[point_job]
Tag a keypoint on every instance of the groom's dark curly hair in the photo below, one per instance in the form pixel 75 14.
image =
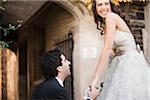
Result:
pixel 49 63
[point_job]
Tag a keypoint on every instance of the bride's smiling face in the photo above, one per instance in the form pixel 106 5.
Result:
pixel 103 7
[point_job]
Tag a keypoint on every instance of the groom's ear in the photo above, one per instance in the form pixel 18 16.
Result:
pixel 59 68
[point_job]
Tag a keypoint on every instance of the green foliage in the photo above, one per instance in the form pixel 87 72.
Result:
pixel 4 31
pixel 7 30
pixel 2 3
pixel 3 44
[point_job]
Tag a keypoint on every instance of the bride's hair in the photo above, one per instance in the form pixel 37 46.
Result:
pixel 99 20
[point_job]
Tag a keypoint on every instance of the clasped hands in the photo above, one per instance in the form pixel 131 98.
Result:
pixel 91 93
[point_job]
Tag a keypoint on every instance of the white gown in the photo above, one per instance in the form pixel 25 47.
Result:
pixel 128 75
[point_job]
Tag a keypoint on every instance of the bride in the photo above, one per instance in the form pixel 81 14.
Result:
pixel 128 74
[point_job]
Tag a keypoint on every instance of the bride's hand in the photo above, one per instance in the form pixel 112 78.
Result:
pixel 93 92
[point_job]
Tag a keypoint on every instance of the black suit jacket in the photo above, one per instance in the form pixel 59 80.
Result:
pixel 50 90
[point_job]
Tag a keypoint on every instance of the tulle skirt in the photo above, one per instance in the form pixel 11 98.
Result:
pixel 127 78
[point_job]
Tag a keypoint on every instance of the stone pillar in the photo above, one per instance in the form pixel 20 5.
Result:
pixel 8 75
pixel 86 52
pixel 12 76
pixel 147 28
pixel 0 75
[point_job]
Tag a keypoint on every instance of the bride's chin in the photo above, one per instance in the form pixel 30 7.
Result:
pixel 103 15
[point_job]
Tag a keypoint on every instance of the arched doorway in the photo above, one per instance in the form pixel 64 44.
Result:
pixel 39 35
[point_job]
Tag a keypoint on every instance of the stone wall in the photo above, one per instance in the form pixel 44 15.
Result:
pixel 134 15
pixel 58 23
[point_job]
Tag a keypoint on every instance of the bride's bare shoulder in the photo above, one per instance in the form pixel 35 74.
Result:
pixel 112 15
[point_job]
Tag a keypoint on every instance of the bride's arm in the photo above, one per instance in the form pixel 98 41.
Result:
pixel 111 23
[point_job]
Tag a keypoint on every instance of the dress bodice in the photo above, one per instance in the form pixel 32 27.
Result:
pixel 124 41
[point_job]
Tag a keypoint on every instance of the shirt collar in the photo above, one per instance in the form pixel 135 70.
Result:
pixel 59 81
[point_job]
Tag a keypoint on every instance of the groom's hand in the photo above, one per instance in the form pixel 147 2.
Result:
pixel 93 92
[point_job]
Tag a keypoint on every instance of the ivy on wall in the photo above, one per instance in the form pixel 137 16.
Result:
pixel 4 31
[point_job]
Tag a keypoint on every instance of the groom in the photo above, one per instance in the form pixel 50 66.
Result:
pixel 55 69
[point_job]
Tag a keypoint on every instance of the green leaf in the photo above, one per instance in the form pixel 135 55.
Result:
pixel 3 44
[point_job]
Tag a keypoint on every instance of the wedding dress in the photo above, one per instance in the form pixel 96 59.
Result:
pixel 128 75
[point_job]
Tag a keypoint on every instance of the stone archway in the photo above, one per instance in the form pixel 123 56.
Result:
pixel 85 36
pixel 56 27
pixel 39 36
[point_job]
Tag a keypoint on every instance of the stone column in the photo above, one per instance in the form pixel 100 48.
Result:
pixel 0 74
pixel 87 48
pixel 147 29
pixel 12 76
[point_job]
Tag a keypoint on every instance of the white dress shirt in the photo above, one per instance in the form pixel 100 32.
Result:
pixel 60 81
